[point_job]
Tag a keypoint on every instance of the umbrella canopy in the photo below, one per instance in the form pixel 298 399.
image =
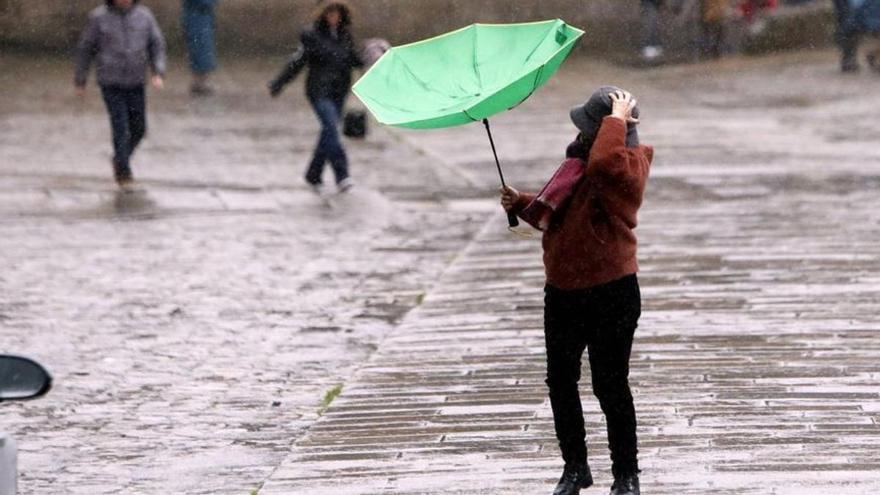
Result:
pixel 465 76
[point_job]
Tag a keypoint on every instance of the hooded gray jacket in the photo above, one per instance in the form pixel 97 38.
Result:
pixel 124 42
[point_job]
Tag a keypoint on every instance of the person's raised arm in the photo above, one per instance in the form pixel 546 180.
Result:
pixel 158 56
pixel 620 172
pixel 295 64
pixel 609 156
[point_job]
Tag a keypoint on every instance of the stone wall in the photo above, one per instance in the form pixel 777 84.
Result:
pixel 260 25
pixel 270 26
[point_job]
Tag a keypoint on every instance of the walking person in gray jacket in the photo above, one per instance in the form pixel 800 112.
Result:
pixel 125 39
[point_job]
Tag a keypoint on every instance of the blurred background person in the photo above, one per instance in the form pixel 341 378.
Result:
pixel 869 15
pixel 856 18
pixel 652 45
pixel 125 39
pixel 198 26
pixel 328 50
pixel 712 16
pixel 753 12
pixel 846 36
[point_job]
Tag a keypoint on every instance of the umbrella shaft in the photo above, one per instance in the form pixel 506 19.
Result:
pixel 492 142
pixel 511 217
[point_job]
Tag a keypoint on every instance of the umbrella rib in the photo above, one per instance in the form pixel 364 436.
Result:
pixel 556 25
pixel 534 87
pixel 475 64
pixel 422 83
pixel 465 111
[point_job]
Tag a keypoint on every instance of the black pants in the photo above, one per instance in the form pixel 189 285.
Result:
pixel 847 34
pixel 601 320
pixel 128 120
pixel 651 22
pixel 712 39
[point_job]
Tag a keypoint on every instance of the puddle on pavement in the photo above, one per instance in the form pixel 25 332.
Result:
pixel 133 203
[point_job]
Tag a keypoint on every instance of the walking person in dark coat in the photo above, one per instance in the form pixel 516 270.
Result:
pixel 328 50
pixel 198 27
pixel 588 212
pixel 125 40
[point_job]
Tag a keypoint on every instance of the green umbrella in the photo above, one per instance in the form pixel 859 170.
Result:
pixel 465 76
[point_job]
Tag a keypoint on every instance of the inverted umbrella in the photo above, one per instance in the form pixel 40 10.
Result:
pixel 465 76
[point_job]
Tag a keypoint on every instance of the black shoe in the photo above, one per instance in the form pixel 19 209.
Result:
pixel 626 485
pixel 849 66
pixel 573 479
pixel 201 90
pixel 873 60
pixel 124 177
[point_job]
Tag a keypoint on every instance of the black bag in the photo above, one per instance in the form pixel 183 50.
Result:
pixel 355 124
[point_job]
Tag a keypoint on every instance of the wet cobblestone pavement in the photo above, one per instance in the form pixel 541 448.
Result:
pixel 194 328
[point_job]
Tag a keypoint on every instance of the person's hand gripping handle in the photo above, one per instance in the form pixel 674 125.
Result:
pixel 509 197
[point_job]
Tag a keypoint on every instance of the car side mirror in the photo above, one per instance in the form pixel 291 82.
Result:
pixel 22 378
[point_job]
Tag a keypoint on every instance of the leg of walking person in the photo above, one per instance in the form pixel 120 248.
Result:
pixel 618 306
pixel 652 48
pixel 336 153
pixel 565 338
pixel 198 28
pixel 328 116
pixel 847 36
pixel 713 38
pixel 117 109
pixel 137 117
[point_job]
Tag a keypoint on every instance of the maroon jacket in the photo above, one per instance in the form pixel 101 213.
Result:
pixel 591 241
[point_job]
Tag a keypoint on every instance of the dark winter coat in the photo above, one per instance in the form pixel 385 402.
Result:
pixel 124 42
pixel 329 59
pixel 198 26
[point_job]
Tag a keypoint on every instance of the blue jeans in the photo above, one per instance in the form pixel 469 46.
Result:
pixel 128 120
pixel 329 146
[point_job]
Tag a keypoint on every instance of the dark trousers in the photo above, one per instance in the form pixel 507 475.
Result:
pixel 712 39
pixel 329 147
pixel 847 34
pixel 601 320
pixel 128 120
pixel 651 23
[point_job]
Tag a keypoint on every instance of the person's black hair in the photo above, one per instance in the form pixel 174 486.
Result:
pixel 324 7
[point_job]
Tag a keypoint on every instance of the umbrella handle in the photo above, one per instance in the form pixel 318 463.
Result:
pixel 512 221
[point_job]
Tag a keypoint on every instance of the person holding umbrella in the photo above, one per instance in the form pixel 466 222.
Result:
pixel 328 50
pixel 588 212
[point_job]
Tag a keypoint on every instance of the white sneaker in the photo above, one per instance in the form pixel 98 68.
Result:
pixel 652 52
pixel 345 185
pixel 758 27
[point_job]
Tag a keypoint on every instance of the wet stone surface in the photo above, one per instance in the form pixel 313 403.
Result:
pixel 193 328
